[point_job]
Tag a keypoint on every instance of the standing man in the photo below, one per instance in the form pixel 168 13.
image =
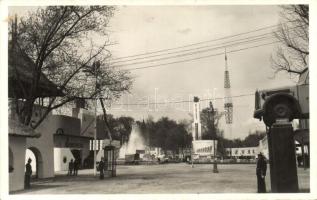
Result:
pixel 28 174
pixel 76 166
pixel 70 167
pixel 260 173
pixel 101 167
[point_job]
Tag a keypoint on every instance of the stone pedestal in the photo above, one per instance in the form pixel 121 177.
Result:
pixel 282 158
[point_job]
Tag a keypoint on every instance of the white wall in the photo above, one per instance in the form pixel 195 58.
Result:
pixel 16 178
pixel 45 146
pixel 100 154
pixel 59 154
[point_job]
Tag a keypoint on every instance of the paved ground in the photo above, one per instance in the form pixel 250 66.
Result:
pixel 165 178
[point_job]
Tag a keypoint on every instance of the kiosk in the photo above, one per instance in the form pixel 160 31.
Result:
pixel 110 161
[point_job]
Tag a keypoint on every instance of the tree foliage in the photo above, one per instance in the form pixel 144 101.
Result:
pixel 292 55
pixel 168 134
pixel 251 140
pixel 210 118
pixel 68 44
pixel 120 127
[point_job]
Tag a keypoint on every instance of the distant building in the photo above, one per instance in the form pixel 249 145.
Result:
pixel 243 152
pixel 154 151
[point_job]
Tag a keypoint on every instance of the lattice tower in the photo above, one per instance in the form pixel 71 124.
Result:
pixel 228 106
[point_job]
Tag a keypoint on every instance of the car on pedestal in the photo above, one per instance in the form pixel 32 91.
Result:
pixel 290 102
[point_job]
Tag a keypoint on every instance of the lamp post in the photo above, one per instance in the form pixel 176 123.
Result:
pixel 192 158
pixel 211 113
pixel 94 71
pixel 96 66
pixel 215 169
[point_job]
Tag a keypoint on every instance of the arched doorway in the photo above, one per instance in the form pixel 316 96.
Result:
pixel 37 162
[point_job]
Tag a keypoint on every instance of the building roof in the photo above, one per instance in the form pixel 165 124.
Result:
pixel 21 66
pixel 18 129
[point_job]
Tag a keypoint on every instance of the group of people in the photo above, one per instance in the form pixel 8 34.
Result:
pixel 73 167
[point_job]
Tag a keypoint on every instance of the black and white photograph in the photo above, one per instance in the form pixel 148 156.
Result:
pixel 186 98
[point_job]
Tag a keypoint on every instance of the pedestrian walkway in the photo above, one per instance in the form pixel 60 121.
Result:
pixel 165 178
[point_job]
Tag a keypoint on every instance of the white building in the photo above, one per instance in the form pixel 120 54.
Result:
pixel 263 147
pixel 154 151
pixel 243 152
pixel 196 126
pixel 61 139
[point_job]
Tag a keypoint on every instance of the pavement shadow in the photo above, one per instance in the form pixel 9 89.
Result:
pixel 301 190
pixel 35 187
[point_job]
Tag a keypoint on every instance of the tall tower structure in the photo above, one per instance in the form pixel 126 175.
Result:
pixel 196 126
pixel 228 106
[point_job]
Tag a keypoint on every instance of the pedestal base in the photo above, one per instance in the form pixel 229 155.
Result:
pixel 282 158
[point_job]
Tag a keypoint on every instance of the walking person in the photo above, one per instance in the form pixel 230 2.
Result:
pixel 70 167
pixel 101 168
pixel 260 173
pixel 28 174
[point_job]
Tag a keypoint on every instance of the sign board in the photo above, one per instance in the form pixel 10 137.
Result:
pixel 204 147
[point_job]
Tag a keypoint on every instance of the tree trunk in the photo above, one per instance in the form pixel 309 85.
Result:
pixel 27 111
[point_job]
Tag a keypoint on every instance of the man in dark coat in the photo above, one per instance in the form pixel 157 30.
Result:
pixel 70 167
pixel 76 166
pixel 101 167
pixel 260 173
pixel 28 174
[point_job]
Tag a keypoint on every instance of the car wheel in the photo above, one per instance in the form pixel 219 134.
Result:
pixel 278 110
pixel 282 110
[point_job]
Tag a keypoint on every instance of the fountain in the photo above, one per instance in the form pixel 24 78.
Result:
pixel 136 142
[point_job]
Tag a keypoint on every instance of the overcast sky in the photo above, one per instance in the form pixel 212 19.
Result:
pixel 143 29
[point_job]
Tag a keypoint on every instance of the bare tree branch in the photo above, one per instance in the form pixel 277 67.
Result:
pixel 55 38
pixel 292 56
